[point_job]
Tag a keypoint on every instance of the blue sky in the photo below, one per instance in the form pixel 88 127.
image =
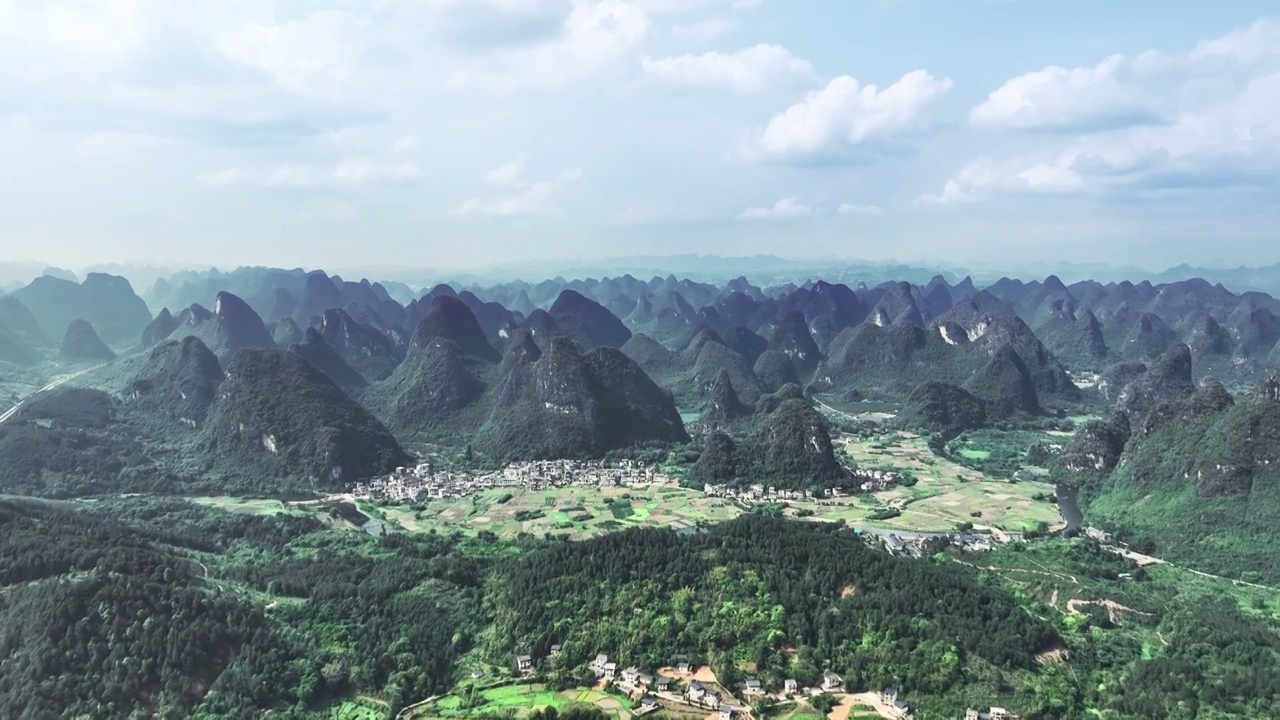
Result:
pixel 462 133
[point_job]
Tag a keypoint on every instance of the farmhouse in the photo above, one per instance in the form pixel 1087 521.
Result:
pixel 896 702
pixel 752 687
pixel 524 663
pixel 555 650
pixel 696 692
pixel 994 713
pixel 649 703
pixel 832 682
pixel 790 686
pixel 663 684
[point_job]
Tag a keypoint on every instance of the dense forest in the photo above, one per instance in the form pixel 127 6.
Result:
pixel 160 607
pixel 752 591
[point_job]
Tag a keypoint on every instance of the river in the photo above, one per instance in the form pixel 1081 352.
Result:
pixel 1068 507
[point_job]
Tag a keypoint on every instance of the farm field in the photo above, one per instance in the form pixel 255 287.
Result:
pixel 521 700
pixel 358 709
pixel 579 512
pixel 946 493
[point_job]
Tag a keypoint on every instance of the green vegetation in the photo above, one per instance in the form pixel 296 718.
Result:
pixel 1200 484
pixel 791 449
pixel 999 452
pixel 1155 643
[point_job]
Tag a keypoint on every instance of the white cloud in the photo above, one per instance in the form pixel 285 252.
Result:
pixel 348 173
pixel 677 7
pixel 507 176
pixel 1219 126
pixel 406 144
pixel 784 209
pixel 222 177
pixel 523 197
pixel 704 30
pixel 1058 98
pixel 533 200
pixel 364 172
pixel 115 141
pixel 596 34
pixel 748 70
pixel 316 55
pixel 290 176
pixel 833 122
pixel 859 209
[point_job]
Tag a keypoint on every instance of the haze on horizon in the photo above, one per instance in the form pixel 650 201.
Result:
pixel 471 133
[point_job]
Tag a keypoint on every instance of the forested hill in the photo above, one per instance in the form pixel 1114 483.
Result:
pixel 165 608
pixel 99 619
pixel 753 590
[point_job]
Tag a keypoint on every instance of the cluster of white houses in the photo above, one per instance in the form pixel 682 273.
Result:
pixel 865 480
pixel 654 688
pixel 427 481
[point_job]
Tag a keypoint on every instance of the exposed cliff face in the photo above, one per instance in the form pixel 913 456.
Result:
pixel 438 392
pixel 275 414
pixel 1169 378
pixel 791 337
pixel 362 346
pixel 792 448
pixel 179 380
pixel 564 403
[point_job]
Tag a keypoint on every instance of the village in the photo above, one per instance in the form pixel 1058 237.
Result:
pixel 863 479
pixel 426 481
pixel 685 688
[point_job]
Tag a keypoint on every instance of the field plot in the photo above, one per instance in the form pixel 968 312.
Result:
pixel 946 493
pixel 252 506
pixel 578 512
pixel 521 700
pixel 358 709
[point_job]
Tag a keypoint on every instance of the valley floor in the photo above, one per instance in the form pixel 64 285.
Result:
pixel 945 495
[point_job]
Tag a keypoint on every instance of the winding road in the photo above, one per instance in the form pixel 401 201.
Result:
pixel 62 380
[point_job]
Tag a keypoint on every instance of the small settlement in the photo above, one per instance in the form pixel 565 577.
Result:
pixel 427 481
pixel 863 480
pixel 685 688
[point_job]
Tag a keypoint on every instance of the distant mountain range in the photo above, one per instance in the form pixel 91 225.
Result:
pixel 583 367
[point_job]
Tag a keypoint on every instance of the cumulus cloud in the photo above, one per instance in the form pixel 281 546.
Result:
pixel 1219 123
pixel 1109 94
pixel 784 209
pixel 859 209
pixel 832 123
pixel 748 70
pixel 314 55
pixel 595 35
pixel 507 176
pixel 522 197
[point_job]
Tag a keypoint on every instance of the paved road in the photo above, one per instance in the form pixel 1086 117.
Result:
pixel 57 381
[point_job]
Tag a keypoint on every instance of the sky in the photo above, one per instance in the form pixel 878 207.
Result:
pixel 469 133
